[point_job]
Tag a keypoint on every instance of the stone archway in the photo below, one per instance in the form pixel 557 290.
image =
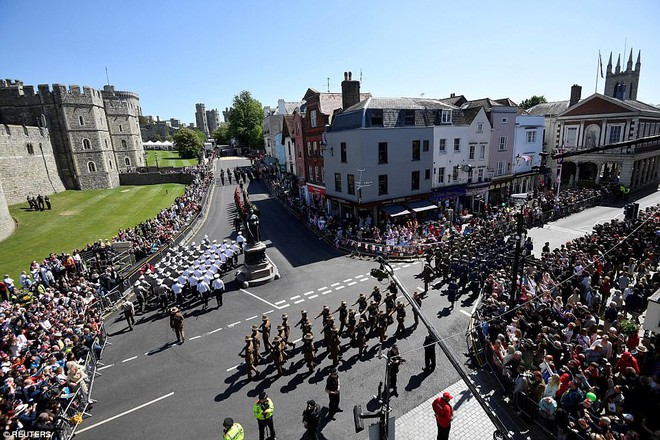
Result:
pixel 568 170
pixel 588 172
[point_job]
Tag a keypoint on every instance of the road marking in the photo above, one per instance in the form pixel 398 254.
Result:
pixel 326 292
pixel 346 281
pixel 359 276
pixel 420 288
pixel 229 326
pixel 294 297
pixel 406 265
pixel 297 340
pixel 129 359
pixel 466 313
pixel 339 287
pixel 352 282
pixel 308 293
pixel 105 366
pixel 299 301
pixel 284 306
pixel 196 337
pixel 260 299
pixel 270 311
pixel 335 284
pixel 322 288
pixel 313 296
pixel 364 279
pixel 251 317
pixel 125 412
pixel 217 330
pixel 397 268
pixel 415 262
pixel 234 367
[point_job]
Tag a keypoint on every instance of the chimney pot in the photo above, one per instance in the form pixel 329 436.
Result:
pixel 576 95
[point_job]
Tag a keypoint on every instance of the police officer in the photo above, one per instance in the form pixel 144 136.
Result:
pixel 343 315
pixel 265 332
pixel 361 303
pixel 310 351
pixel 231 430
pixel 263 412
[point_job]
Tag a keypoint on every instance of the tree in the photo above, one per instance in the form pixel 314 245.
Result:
pixel 531 102
pixel 188 143
pixel 221 134
pixel 245 121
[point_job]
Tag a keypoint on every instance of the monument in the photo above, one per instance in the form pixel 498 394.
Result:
pixel 257 268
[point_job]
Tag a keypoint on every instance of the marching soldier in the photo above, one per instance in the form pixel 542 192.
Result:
pixel 287 331
pixel 256 344
pixel 382 323
pixel 393 288
pixel 278 355
pixel 390 301
pixel 361 303
pixel 335 345
pixel 428 277
pixel 307 327
pixel 303 318
pixel 352 323
pixel 327 332
pixel 395 360
pixel 325 313
pixel 265 332
pixel 361 336
pixel 376 295
pixel 248 353
pixel 373 315
pixel 343 315
pixel 400 317
pixel 282 341
pixel 417 297
pixel 310 351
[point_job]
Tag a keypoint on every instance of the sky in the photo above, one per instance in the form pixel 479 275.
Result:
pixel 177 54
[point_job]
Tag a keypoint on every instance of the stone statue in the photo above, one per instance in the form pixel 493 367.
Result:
pixel 254 235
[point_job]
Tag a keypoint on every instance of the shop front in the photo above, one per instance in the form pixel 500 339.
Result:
pixel 315 196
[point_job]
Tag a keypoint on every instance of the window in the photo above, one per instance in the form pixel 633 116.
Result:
pixel 427 174
pixel 299 153
pixel 350 184
pixel 105 141
pixel 312 118
pixel 87 145
pixel 315 149
pixel 338 182
pixel 570 137
pixel 127 161
pixel 416 153
pixel 377 118
pixel 457 144
pixel 504 120
pixel 309 148
pixel 414 180
pixel 503 142
pixel 472 149
pixel 531 136
pixel 615 134
pixel 123 144
pixel 382 152
pixel 310 176
pixel 443 145
pixel 81 120
pixel 446 117
pixel 297 128
pixel 425 145
pixel 480 175
pixel 316 173
pixel 91 166
pixel 30 149
pixel 441 175
pixel 342 148
pixel 110 164
pixel 120 128
pixel 469 178
pixel 482 152
pixel 409 117
pixel 382 184
pixel 500 168
pixel 480 127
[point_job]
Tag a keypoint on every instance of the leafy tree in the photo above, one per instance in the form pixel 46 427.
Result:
pixel 221 134
pixel 188 143
pixel 531 102
pixel 245 121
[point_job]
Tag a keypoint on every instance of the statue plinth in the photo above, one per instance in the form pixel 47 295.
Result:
pixel 257 268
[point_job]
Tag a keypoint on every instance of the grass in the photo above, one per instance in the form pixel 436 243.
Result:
pixel 78 218
pixel 168 159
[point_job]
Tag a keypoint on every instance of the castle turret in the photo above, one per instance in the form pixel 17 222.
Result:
pixel 122 110
pixel 629 65
pixel 609 64
pixel 638 64
pixel 617 70
pixel 623 84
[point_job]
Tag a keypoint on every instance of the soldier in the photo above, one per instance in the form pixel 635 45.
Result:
pixel 452 292
pixel 382 323
pixel 400 317
pixel 265 332
pixel 327 332
pixel 256 344
pixel 139 295
pixel 373 315
pixel 335 345
pixel 428 277
pixel 395 360
pixel 310 351
pixel 303 318
pixel 343 315
pixel 393 288
pixel 287 331
pixel 361 303
pixel 390 302
pixel 361 336
pixel 282 341
pixel 278 355
pixel 325 313
pixel 352 323
pixel 376 295
pixel 248 354
pixel 417 297
pixel 307 327
pixel 176 322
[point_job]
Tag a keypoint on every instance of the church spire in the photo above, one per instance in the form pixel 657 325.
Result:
pixel 609 64
pixel 617 69
pixel 638 64
pixel 629 65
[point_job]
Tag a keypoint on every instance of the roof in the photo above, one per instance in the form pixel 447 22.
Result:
pixel 291 106
pixel 613 105
pixel 400 104
pixel 465 116
pixel 548 108
pixel 455 100
pixel 488 103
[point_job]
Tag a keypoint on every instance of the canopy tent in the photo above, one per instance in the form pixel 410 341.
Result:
pixel 394 210
pixel 421 205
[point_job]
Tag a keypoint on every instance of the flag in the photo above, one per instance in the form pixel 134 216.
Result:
pixel 600 64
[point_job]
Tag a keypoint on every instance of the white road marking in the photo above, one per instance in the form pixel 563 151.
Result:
pixel 415 262
pixel 397 268
pixel 352 282
pixel 335 284
pixel 364 279
pixel 326 292
pixel 129 359
pixel 270 311
pixel 251 317
pixel 297 340
pixel 196 337
pixel 347 280
pixel 359 276
pixel 294 297
pixel 280 302
pixel 217 330
pixel 406 265
pixel 465 313
pixel 229 326
pixel 313 296
pixel 260 299
pixel 299 301
pixel 420 288
pixel 105 366
pixel 368 274
pixel 308 293
pixel 339 287
pixel 322 288
pixel 284 306
pixel 234 367
pixel 124 413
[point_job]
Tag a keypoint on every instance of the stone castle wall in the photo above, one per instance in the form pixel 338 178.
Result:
pixel 27 163
pixel 7 224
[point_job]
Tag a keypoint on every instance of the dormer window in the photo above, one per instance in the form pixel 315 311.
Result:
pixel 446 116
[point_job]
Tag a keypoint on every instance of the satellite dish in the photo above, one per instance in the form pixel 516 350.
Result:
pixel 467 168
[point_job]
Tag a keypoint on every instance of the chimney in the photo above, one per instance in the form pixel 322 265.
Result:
pixel 453 95
pixel 576 94
pixel 350 91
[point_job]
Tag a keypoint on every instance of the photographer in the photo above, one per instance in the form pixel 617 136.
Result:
pixel 263 412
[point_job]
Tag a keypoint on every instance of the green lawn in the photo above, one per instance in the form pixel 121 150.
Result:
pixel 168 159
pixel 78 218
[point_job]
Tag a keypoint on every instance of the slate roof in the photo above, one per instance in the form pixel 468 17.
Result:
pixel 488 103
pixel 401 104
pixel 455 100
pixel 548 108
pixel 464 116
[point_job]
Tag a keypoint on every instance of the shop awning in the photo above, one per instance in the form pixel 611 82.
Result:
pixel 420 205
pixel 394 210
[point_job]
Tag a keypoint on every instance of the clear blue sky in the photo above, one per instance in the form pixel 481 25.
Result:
pixel 175 54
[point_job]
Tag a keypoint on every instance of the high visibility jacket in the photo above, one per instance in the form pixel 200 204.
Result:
pixel 259 412
pixel 235 432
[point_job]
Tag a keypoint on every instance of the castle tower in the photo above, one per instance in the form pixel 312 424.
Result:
pixel 623 84
pixel 122 110
pixel 200 119
pixel 7 224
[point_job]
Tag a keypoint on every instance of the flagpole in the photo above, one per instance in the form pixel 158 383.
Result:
pixel 597 68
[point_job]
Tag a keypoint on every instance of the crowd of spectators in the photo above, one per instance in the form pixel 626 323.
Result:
pixel 570 342
pixel 49 320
